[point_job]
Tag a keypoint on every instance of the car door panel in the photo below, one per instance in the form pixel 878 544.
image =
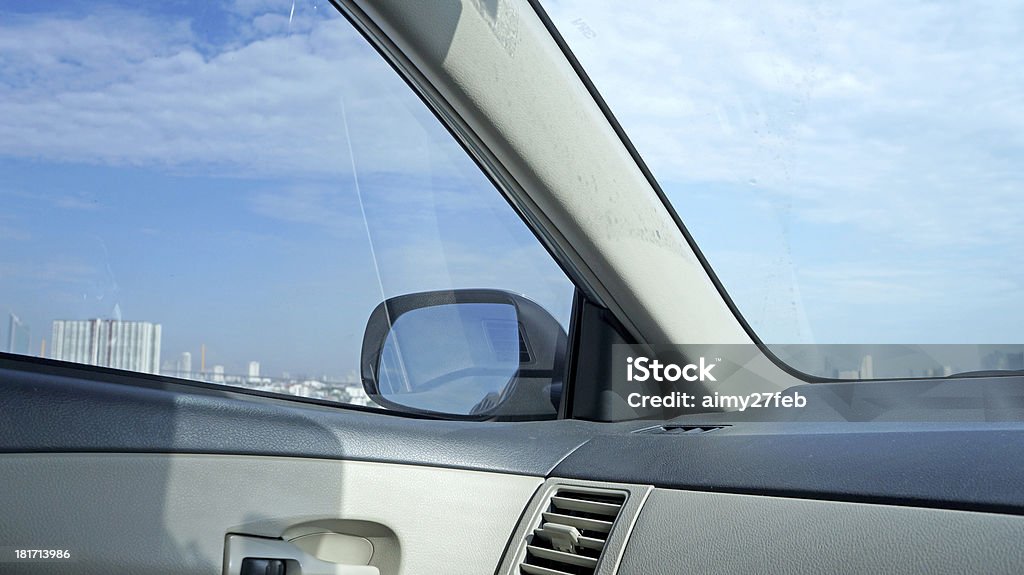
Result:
pixel 170 513
pixel 143 475
pixel 47 409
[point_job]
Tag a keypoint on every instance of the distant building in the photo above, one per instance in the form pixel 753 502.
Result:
pixel 17 336
pixel 254 371
pixel 356 396
pixel 218 374
pixel 185 365
pixel 130 345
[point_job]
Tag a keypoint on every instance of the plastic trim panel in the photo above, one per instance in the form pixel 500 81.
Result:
pixel 47 413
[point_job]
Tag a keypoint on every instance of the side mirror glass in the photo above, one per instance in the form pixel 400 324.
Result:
pixel 468 353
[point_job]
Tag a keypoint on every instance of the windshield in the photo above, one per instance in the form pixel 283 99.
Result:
pixel 851 170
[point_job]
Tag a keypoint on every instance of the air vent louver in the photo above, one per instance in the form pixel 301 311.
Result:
pixel 572 532
pixel 681 429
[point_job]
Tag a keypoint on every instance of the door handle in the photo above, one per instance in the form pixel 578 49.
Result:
pixel 280 557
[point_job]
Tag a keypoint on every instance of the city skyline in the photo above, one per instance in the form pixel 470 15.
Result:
pixel 78 345
pixel 136 346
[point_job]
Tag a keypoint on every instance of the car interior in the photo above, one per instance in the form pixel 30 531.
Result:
pixel 539 460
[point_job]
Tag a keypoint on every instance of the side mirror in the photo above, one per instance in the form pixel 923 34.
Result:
pixel 473 353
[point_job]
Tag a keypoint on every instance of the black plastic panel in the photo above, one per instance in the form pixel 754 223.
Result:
pixel 103 412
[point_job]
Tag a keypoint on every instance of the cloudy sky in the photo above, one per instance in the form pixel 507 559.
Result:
pixel 188 163
pixel 852 170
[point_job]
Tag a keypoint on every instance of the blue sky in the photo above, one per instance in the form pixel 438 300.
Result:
pixel 191 167
pixel 851 170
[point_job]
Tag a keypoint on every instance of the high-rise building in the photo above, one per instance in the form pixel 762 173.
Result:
pixel 17 336
pixel 218 374
pixel 254 371
pixel 185 365
pixel 130 345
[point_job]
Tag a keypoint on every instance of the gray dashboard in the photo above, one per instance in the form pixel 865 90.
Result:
pixel 682 531
pixel 712 533
pixel 779 497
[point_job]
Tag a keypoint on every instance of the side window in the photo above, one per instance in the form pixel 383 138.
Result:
pixel 226 191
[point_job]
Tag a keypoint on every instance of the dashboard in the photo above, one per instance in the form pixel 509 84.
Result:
pixel 157 478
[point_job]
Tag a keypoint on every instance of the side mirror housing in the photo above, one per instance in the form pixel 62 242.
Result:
pixel 470 353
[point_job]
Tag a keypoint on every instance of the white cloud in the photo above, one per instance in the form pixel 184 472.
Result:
pixel 53 198
pixel 119 88
pixel 258 7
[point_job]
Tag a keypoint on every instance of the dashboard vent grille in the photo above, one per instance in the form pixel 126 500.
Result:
pixel 681 429
pixel 572 532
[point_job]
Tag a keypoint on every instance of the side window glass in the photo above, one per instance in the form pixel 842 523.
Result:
pixel 226 191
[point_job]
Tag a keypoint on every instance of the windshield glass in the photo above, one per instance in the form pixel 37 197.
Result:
pixel 225 190
pixel 851 170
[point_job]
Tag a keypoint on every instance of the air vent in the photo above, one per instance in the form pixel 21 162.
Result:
pixel 572 532
pixel 681 429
